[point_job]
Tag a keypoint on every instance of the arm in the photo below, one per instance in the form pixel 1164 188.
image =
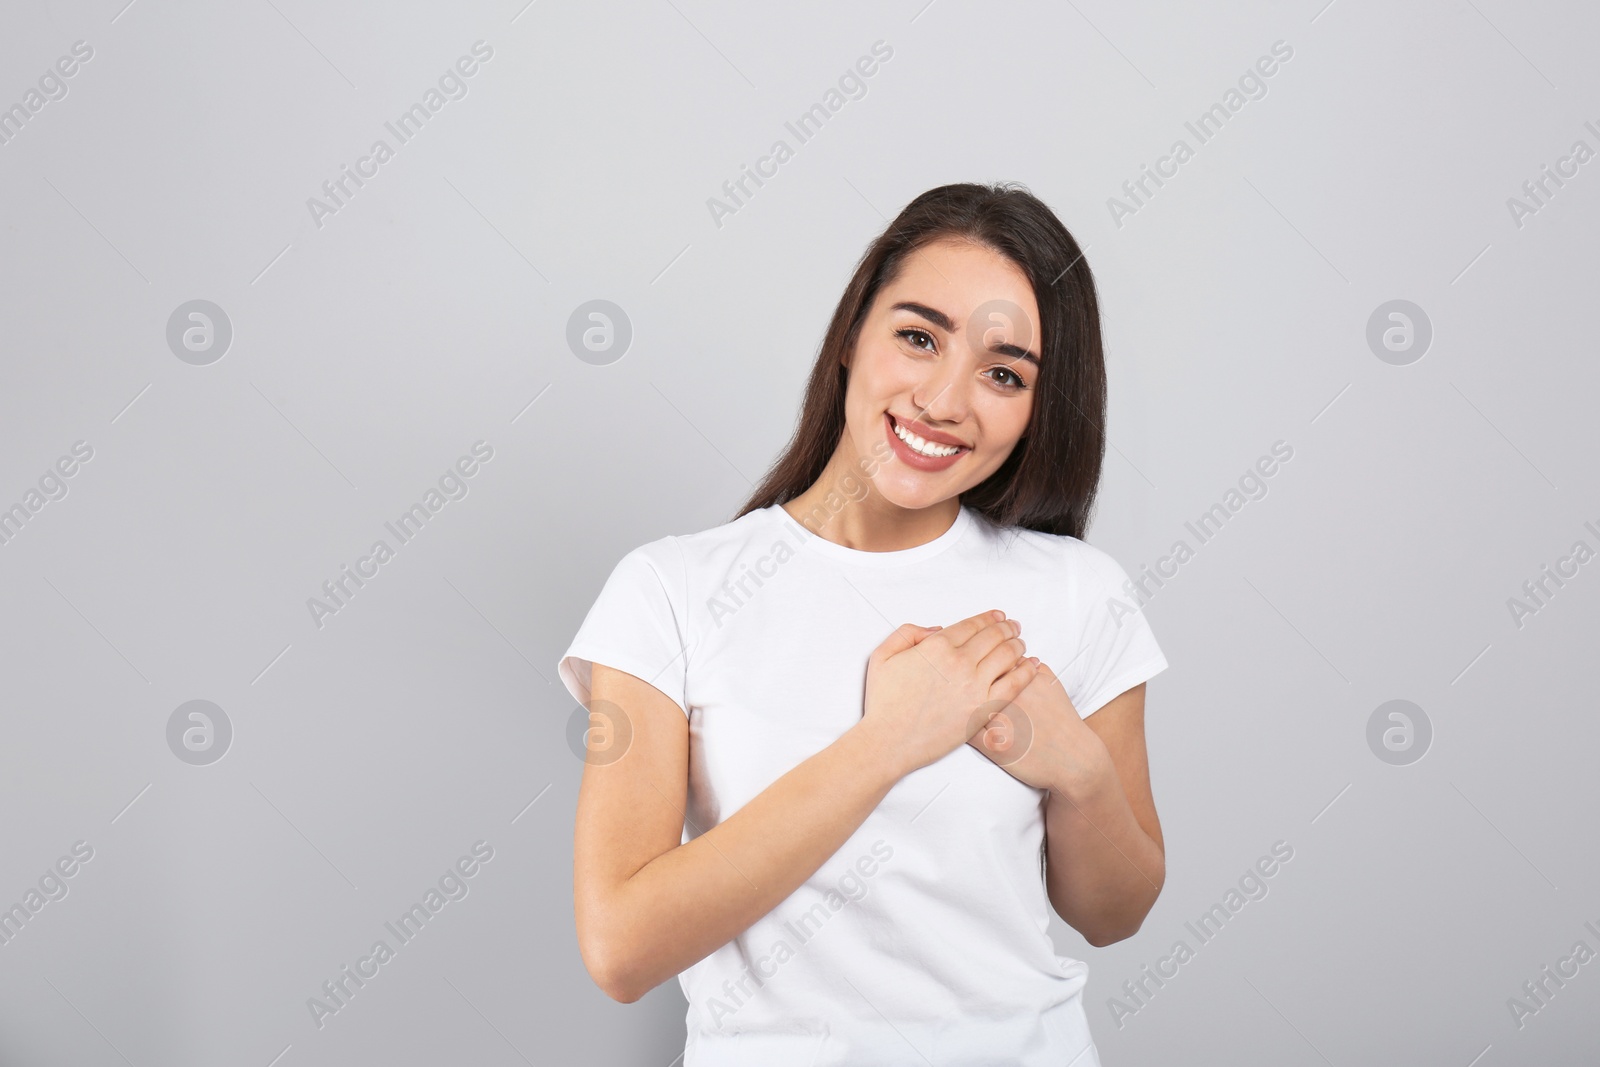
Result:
pixel 1105 858
pixel 648 906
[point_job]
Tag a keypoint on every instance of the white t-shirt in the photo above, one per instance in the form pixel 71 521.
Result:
pixel 923 939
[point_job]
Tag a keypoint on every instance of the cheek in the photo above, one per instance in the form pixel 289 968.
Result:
pixel 879 372
pixel 1005 422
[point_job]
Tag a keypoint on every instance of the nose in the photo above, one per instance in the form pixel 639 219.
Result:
pixel 942 396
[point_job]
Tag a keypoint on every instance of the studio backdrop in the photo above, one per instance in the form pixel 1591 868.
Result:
pixel 347 347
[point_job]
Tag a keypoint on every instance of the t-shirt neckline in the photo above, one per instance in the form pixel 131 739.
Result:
pixel 833 550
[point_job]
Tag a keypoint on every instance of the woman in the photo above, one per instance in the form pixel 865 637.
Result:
pixel 849 747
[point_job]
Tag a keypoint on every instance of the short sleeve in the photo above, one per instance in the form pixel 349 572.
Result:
pixel 635 625
pixel 1118 650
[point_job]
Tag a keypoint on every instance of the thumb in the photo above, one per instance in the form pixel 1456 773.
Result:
pixel 904 637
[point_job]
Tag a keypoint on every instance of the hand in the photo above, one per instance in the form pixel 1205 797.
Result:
pixel 1039 739
pixel 929 689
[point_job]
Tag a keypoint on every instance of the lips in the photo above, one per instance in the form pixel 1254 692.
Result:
pixel 927 433
pixel 917 460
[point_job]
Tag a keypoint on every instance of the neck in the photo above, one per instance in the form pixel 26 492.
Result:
pixel 843 506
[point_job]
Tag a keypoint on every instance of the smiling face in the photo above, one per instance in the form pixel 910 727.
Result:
pixel 943 374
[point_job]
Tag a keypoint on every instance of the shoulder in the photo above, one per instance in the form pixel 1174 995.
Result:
pixel 1070 556
pixel 677 554
pixel 750 526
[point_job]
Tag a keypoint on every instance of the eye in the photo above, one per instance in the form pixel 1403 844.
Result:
pixel 1016 383
pixel 911 333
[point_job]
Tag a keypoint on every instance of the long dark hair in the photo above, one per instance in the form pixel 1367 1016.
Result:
pixel 1048 482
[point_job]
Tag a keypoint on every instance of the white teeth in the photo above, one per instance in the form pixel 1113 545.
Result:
pixel 925 448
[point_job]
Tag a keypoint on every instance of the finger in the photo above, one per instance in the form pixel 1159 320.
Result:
pixel 1010 685
pixel 1007 654
pixel 904 636
pixel 993 636
pixel 961 632
pixel 1008 736
pixel 992 722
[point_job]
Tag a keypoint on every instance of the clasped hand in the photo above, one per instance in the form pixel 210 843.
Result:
pixel 934 688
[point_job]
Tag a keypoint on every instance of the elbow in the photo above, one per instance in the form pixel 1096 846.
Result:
pixel 1107 929
pixel 613 972
pixel 1110 932
pixel 1102 938
pixel 619 987
pixel 611 955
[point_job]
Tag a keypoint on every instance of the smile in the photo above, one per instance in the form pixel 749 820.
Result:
pixel 922 446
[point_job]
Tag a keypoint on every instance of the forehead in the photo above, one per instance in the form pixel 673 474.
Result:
pixel 956 276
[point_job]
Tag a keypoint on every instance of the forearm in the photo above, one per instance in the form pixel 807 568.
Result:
pixel 1103 871
pixel 688 902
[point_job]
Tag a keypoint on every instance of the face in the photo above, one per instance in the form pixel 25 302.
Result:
pixel 948 353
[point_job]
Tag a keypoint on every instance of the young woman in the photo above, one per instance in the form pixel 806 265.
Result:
pixel 848 748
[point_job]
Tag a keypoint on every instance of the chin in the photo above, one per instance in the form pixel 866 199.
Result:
pixel 914 494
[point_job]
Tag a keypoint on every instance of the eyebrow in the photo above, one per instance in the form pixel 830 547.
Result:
pixel 941 320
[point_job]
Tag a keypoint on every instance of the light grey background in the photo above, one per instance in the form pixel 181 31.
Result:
pixel 430 312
